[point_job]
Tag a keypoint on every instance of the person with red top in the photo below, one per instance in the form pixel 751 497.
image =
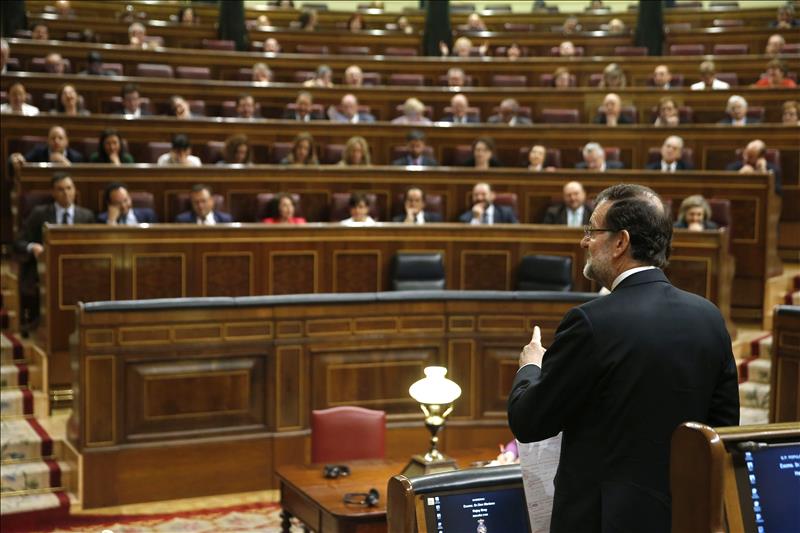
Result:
pixel 285 211
pixel 776 77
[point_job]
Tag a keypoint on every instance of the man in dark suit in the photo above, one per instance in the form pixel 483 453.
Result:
pixel 623 371
pixel 736 112
pixel 594 158
pixel 612 112
pixel 754 160
pixel 509 114
pixel 414 206
pixel 303 110
pixel 30 243
pixel 485 211
pixel 56 150
pixel 203 212
pixel 120 210
pixel 416 151
pixel 671 154
pixel 459 106
pixel 132 102
pixel 574 211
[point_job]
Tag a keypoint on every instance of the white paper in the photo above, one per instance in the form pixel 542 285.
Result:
pixel 539 462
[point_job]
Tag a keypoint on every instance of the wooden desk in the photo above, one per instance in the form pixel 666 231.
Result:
pixel 318 502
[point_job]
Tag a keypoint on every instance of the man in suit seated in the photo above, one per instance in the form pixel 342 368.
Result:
pixel 459 104
pixel 245 107
pixel 132 102
pixel 414 205
pixel 348 111
pixel 203 212
pixel 120 210
pixel 509 114
pixel 29 244
pixel 671 154
pixel 612 111
pixel 456 77
pixel 574 211
pixel 594 158
pixel 736 111
pixel 484 210
pixel 56 151
pixel 662 77
pixel 754 161
pixel 415 142
pixel 302 111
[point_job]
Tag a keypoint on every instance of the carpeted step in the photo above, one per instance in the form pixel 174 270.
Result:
pixel 24 439
pixel 34 512
pixel 33 476
pixel 752 415
pixel 14 375
pixel 759 370
pixel 752 394
pixel 22 402
pixel 761 347
pixel 11 349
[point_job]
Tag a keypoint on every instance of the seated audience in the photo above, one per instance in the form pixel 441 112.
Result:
pixel 68 101
pixel 612 111
pixel 482 154
pixel 462 48
pixel 120 210
pixel 475 23
pixel 613 77
pixel 403 25
pixel 414 208
pixel 695 214
pixel 186 16
pixel 536 157
pixel 304 151
pixel 111 149
pixel 56 151
pixel 17 96
pixel 303 109
pixel 308 20
pixel 562 78
pixel 754 160
pixel 775 45
pixel 54 64
pixel 775 77
pixel 708 78
pixel 137 36
pixel 790 113
pixel 513 52
pixel 236 151
pixel 509 114
pixel 784 18
pixel 456 77
pixel 353 76
pixel 415 142
pixel 356 22
pixel 29 245
pixel 180 154
pixel 94 65
pixel 262 74
pixel 459 105
pixel 736 110
pixel 271 45
pixel 594 158
pixel 245 107
pixel 39 32
pixel 614 26
pixel 413 113
pixel 323 77
pixel 285 208
pixel 359 211
pixel 132 102
pixel 348 111
pixel 203 212
pixel 571 25
pixel 566 49
pixel 356 152
pixel 671 156
pixel 179 108
pixel 484 210
pixel 662 77
pixel 667 113
pixel 574 211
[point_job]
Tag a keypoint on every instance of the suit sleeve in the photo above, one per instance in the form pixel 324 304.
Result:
pixel 31 231
pixel 542 401
pixel 550 217
pixel 724 406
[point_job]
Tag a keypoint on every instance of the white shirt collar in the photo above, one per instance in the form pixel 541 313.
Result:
pixel 627 273
pixel 669 167
pixel 208 220
pixel 60 213
pixel 420 218
pixel 575 216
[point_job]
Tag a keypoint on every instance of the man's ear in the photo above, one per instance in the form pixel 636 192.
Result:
pixel 621 243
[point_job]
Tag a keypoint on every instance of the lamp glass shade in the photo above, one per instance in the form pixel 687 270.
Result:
pixel 435 388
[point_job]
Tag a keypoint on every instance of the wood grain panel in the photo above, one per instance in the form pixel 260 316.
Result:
pixel 100 404
pixel 485 271
pixel 460 368
pixel 137 335
pixel 356 271
pixel 95 272
pixel 293 272
pixel 500 365
pixel 289 371
pixel 99 337
pixel 744 220
pixel 228 274
pixel 250 331
pixel 690 274
pixel 159 276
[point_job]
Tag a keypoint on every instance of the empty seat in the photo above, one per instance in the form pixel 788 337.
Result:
pixel 355 50
pixel 340 206
pixel 720 211
pixel 399 51
pixel 332 153
pixel 153 150
pixel 559 116
pixel 372 78
pixel 687 49
pixel 552 157
pixel 509 80
pixel 731 78
pixel 654 155
pixel 630 50
pixel 218 44
pixel 279 151
pixel 86 146
pixel 193 73
pixel 545 273
pixel 154 70
pixel 319 49
pixel 347 433
pixel 244 74
pixel 731 49
pixel 25 143
pixel 508 199
pixel 595 79
pixel 406 79
pixel 267 207
pixel 546 80
pixel 418 272
pixel 756 112
pixel 213 151
pixel 30 199
pixel 142 200
pixel 459 155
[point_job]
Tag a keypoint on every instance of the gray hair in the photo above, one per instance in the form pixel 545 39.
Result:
pixel 733 100
pixel 592 147
pixel 676 138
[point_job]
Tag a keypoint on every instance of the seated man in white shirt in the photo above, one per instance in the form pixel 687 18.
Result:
pixel 574 211
pixel 708 78
pixel 203 212
pixel 120 210
pixel 460 107
pixel 359 211
pixel 180 154
pixel 671 154
pixel 16 102
pixel 484 210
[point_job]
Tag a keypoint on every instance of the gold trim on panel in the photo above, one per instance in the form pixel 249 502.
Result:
pixel 506 253
pixel 709 272
pixel 82 257
pixel 279 387
pixel 378 271
pixel 521 319
pixel 452 320
pixel 272 255
pixel 189 375
pixel 204 272
pixel 135 256
pixel 357 325
pixel 88 386
pixel 322 321
pixel 377 364
pixel 281 334
pixel 757 225
pixel 95 337
pixel 439 326
pixel 199 326
pixel 266 326
pixel 134 329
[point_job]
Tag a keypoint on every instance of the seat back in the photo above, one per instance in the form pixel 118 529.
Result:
pixel 280 149
pixel 687 49
pixel 559 116
pixel 218 44
pixel 30 199
pixel 731 49
pixel 509 80
pixel 418 272
pixel 193 73
pixel 406 79
pixel 545 273
pixel 399 51
pixel 154 70
pixel 354 50
pixel 318 49
pixel 552 157
pixel 347 433
pixel 630 50
pixel 508 199
pixel 720 211
pixel 142 200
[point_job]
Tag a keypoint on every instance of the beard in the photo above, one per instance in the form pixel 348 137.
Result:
pixel 596 271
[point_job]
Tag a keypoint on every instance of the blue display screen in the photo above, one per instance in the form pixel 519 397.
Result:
pixel 484 511
pixel 769 486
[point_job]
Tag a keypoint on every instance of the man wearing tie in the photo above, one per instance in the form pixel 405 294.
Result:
pixel 202 212
pixel 671 154
pixel 414 205
pixel 29 246
pixel 574 211
pixel 485 211
pixel 459 107
pixel 416 155
pixel 120 210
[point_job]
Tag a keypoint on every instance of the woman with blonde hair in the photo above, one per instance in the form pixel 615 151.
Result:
pixel 695 214
pixel 413 113
pixel 613 77
pixel 356 152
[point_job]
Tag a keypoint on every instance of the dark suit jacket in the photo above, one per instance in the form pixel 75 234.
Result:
pixel 220 217
pixel 471 119
pixel 41 154
pixel 291 115
pixel 610 165
pixel 747 120
pixel 502 215
pixel 623 371
pixel 601 119
pixel 681 165
pixel 428 215
pixel 408 160
pixel 143 111
pixel 707 224
pixel 144 215
pixel 736 166
pixel 521 120
pixel 557 214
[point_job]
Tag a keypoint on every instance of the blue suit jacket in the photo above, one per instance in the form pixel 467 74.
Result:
pixel 502 215
pixel 188 217
pixel 144 215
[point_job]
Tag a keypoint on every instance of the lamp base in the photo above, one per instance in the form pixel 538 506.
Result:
pixel 418 466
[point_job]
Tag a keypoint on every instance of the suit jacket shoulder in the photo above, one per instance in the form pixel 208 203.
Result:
pixel 653 166
pixel 187 217
pixel 555 214
pixel 145 215
pixel 431 216
pixel 613 165
pixel 83 215
pixel 223 217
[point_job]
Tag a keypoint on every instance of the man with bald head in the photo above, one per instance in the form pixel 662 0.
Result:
pixel 348 111
pixel 754 161
pixel 509 113
pixel 459 105
pixel 671 154
pixel 56 151
pixel 485 211
pixel 611 114
pixel 354 76
pixel 574 211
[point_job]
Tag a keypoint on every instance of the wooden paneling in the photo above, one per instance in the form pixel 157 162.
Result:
pixel 785 391
pixel 158 276
pixel 228 274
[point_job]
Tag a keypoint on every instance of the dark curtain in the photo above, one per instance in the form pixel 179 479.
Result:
pixel 232 25
pixel 650 26
pixel 437 27
pixel 12 14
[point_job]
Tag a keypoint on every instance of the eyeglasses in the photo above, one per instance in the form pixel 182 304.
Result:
pixel 588 230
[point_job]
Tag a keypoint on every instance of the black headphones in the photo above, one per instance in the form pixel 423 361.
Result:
pixel 334 471
pixel 367 499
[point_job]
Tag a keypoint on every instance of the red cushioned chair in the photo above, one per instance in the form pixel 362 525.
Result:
pixel 142 200
pixel 218 44
pixel 279 151
pixel 406 79
pixel 509 80
pixel 720 211
pixel 267 208
pixel 791 48
pixel 193 73
pixel 332 153
pixel 372 78
pixel 116 68
pixel 347 433
pixel 677 27
pixel 153 150
pixel 458 155
pixel 730 49
pixel 212 152
pixel 630 50
pixel 595 79
pixel 613 153
pixel 244 74
pixel 727 23
pixel 340 206
pixel 756 112
pixel 318 49
pixel 399 51
pixel 508 199
pixel 514 26
pixel 687 49
pixel 153 70
pixel 30 199
pixel 433 204
pixel 354 50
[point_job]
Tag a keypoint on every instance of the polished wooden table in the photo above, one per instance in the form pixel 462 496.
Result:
pixel 318 501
